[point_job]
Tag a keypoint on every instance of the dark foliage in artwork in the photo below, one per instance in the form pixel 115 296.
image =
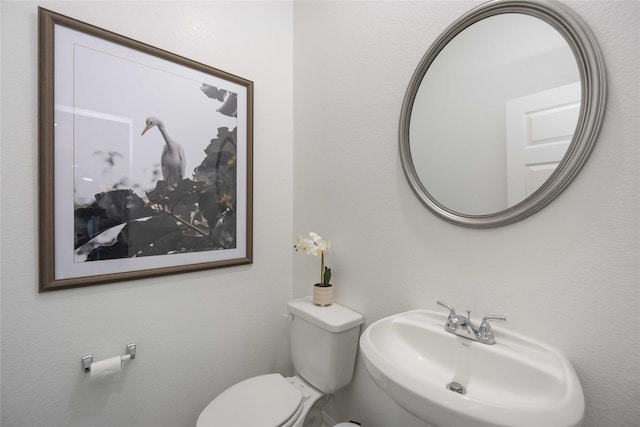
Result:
pixel 229 100
pixel 108 210
pixel 194 215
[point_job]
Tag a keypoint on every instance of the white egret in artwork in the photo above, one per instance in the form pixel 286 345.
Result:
pixel 173 161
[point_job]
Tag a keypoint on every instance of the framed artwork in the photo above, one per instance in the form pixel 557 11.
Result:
pixel 145 159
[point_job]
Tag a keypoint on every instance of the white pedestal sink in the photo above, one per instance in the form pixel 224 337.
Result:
pixel 515 382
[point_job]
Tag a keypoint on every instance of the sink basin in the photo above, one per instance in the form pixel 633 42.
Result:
pixel 515 382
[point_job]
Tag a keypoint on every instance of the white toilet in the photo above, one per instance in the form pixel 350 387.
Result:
pixel 324 342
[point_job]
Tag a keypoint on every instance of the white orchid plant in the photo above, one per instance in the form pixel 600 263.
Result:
pixel 316 246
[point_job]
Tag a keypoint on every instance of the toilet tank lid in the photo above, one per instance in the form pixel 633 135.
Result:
pixel 334 318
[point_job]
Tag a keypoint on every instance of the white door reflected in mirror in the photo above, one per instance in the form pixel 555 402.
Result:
pixel 539 130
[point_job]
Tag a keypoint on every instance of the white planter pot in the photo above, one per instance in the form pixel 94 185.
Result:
pixel 322 295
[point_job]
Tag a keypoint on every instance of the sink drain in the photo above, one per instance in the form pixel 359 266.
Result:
pixel 456 387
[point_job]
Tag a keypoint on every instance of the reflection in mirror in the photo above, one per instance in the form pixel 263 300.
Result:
pixel 459 139
pixel 502 112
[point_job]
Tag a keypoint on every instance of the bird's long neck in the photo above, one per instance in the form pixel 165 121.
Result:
pixel 171 144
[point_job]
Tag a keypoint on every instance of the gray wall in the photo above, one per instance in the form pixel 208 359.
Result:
pixel 197 333
pixel 568 276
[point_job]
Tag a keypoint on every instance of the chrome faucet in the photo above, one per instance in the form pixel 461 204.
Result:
pixel 461 325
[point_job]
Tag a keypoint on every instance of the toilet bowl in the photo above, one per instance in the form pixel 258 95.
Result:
pixel 324 343
pixel 266 400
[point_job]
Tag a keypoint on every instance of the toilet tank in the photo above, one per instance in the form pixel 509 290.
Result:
pixel 324 343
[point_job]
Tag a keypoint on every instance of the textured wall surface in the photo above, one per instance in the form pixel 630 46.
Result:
pixel 197 333
pixel 568 275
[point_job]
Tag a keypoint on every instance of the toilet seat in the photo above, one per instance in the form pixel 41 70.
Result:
pixel 265 400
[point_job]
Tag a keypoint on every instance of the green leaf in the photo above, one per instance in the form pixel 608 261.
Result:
pixel 327 276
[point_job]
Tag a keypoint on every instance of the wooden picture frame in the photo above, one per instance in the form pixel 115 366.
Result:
pixel 114 204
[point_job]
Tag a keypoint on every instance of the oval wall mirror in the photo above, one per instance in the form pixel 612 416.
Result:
pixel 502 112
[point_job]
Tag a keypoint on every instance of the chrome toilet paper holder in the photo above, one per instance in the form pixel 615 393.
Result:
pixel 88 359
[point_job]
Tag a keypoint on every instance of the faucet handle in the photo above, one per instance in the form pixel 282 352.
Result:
pixel 491 317
pixel 485 332
pixel 452 320
pixel 449 307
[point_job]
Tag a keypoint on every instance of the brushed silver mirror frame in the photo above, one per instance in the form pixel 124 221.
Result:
pixel 590 64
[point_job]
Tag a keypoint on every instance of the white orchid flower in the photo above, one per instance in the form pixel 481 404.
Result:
pixel 314 245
